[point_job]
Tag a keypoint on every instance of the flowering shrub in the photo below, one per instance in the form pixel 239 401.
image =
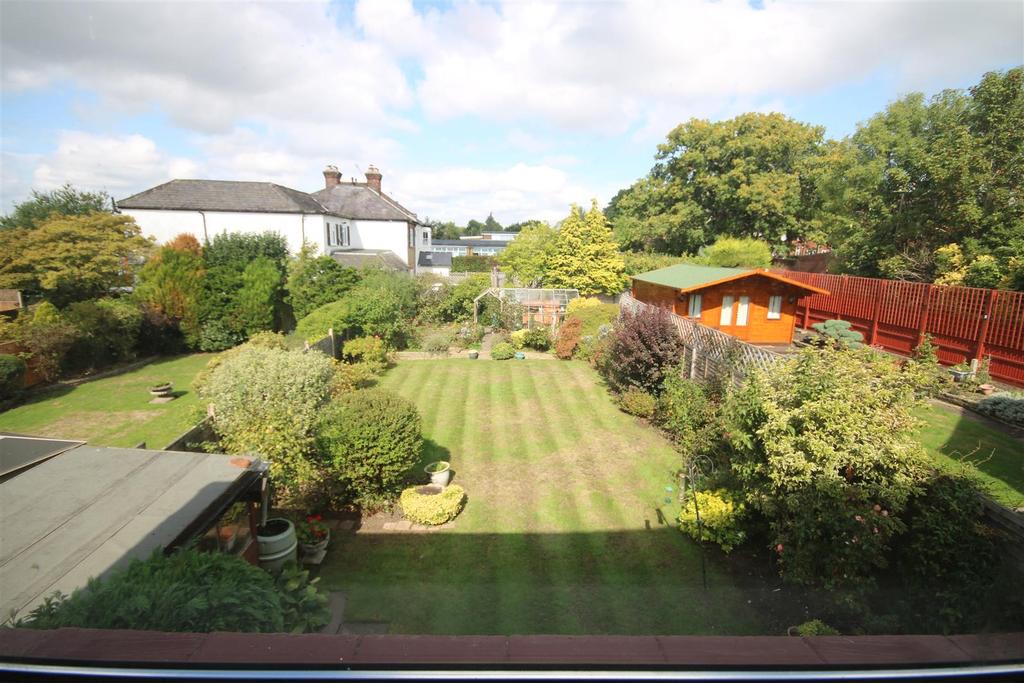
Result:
pixel 311 530
pixel 688 415
pixel 518 338
pixel 645 346
pixel 537 338
pixel 369 350
pixel 637 402
pixel 823 446
pixel 720 518
pixel 431 505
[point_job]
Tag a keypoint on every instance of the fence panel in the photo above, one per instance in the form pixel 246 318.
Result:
pixel 709 351
pixel 965 323
pixel 329 346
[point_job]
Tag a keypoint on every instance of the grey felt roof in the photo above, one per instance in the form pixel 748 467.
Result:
pixel 359 202
pixel 361 258
pixel 223 195
pixel 90 510
pixel 434 259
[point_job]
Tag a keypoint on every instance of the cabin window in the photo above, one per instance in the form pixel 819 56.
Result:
pixel 726 317
pixel 694 306
pixel 775 307
pixel 741 310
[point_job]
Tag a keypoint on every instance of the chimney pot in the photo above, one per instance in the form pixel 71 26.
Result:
pixel 373 178
pixel 332 176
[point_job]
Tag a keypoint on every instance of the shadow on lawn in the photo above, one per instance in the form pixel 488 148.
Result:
pixel 989 448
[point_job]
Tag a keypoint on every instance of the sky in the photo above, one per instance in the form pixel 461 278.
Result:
pixel 513 108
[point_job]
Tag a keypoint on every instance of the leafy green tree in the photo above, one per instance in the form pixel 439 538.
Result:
pixel 528 256
pixel 260 299
pixel 474 227
pixel 586 256
pixel 754 175
pixel 72 258
pixel 317 280
pixel 644 261
pixel 444 231
pixel 64 201
pixel 927 173
pixel 172 283
pixel 225 259
pixel 732 252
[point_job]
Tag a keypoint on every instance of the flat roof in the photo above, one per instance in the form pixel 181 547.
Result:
pixel 90 510
pixel 688 277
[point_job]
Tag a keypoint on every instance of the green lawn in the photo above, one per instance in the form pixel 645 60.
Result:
pixel 998 458
pixel 115 411
pixel 561 533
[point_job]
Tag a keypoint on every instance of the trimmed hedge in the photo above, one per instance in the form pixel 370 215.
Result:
pixel 427 505
pixel 369 440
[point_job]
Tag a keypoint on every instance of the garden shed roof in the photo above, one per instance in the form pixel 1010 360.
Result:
pixel 90 510
pixel 687 277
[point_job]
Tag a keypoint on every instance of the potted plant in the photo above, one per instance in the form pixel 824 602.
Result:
pixel 313 534
pixel 961 371
pixel 987 389
pixel 520 355
pixel 161 390
pixel 440 473
pixel 473 354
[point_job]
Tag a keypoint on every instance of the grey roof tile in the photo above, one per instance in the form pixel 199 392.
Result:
pixel 434 259
pixel 223 195
pixel 359 202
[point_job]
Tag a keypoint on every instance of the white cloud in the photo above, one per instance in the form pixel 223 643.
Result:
pixel 512 194
pixel 115 164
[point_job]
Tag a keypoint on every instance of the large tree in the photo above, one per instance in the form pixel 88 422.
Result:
pixel 171 283
pixel 64 201
pixel 72 258
pixel 528 256
pixel 755 175
pixel 924 174
pixel 586 256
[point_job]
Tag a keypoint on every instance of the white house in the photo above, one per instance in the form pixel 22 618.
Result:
pixel 353 221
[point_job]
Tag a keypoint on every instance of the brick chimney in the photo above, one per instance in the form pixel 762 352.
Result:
pixel 332 177
pixel 373 178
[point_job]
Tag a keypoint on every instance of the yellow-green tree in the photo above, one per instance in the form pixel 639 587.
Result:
pixel 586 256
pixel 527 257
pixel 72 258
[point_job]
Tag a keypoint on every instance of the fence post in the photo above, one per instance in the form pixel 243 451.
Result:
pixel 979 349
pixel 839 296
pixel 693 362
pixel 334 345
pixel 922 324
pixel 807 312
pixel 876 313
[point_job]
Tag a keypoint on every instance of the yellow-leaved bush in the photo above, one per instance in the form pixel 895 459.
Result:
pixel 719 515
pixel 421 505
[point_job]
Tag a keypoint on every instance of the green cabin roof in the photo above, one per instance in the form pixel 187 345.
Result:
pixel 688 276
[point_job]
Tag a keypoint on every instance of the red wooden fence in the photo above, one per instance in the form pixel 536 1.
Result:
pixel 965 323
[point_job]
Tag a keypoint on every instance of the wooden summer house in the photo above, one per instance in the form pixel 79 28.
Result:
pixel 752 304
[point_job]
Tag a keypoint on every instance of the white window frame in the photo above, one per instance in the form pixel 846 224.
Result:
pixel 694 306
pixel 775 307
pixel 742 311
pixel 725 319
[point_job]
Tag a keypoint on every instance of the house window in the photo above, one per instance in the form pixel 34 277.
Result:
pixel 726 318
pixel 741 311
pixel 348 235
pixel 694 306
pixel 775 307
pixel 426 237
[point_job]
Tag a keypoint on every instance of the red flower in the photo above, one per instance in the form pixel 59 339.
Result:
pixel 778 548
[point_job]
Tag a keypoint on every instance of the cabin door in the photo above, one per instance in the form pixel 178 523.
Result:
pixel 734 315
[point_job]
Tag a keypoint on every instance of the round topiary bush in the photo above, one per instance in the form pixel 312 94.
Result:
pixel 369 441
pixel 12 375
pixel 432 505
pixel 503 351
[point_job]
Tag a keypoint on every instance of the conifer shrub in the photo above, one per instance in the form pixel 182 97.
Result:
pixel 432 505
pixel 568 338
pixel 503 351
pixel 638 402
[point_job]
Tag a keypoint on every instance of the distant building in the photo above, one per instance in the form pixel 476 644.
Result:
pixel 495 236
pixel 469 247
pixel 356 219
